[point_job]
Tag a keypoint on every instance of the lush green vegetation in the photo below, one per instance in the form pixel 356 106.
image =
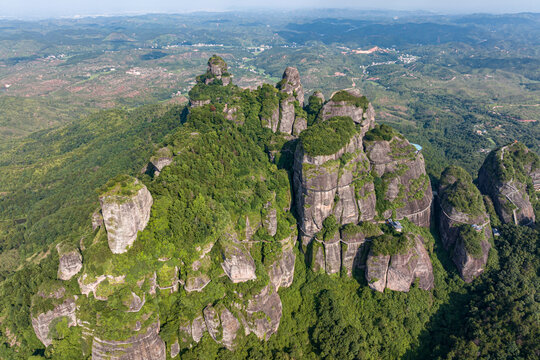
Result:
pixel 460 192
pixel 391 244
pixel 121 185
pixel 358 101
pixel 472 240
pixel 329 230
pixel 457 106
pixel 496 319
pixel 380 133
pixel 327 137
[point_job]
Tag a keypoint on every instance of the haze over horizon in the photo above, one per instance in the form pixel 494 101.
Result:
pixel 28 9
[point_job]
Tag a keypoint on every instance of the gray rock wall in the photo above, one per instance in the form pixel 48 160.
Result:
pixel 42 322
pixel 397 272
pixel 124 217
pixel 69 265
pixel 144 346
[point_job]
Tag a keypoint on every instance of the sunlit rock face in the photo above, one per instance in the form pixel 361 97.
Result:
pixel 504 177
pixel 451 222
pixel 147 345
pixel 41 323
pixel 124 217
pixel 397 272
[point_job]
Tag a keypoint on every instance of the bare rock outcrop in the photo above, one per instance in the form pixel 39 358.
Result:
pixel 282 271
pixel 70 262
pixel 222 326
pixel 289 122
pixel 147 345
pixel 398 271
pixel 162 158
pixel 126 211
pixel 463 222
pixel 198 103
pixel 217 70
pixel 401 170
pixel 350 103
pixel 510 177
pixel 352 251
pixel 336 184
pixel 42 322
pixel 97 219
pixel 263 313
pixel 198 327
pixel 291 84
pixel 237 262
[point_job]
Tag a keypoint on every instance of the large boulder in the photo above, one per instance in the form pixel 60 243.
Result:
pixel 125 204
pixel 463 222
pixel 143 346
pixel 237 262
pixel 70 261
pixel 222 326
pixel 397 271
pixel 263 313
pixel 163 157
pixel 282 271
pixel 510 176
pixel 42 322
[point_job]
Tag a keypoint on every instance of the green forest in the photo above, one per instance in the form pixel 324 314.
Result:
pixel 228 191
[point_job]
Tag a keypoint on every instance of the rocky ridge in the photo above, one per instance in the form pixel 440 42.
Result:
pixel 456 188
pixel 125 213
pixel 347 180
pixel 510 177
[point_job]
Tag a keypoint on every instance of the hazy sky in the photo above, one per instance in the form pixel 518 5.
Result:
pixel 48 8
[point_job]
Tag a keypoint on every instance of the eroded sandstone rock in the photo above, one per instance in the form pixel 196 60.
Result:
pixel 237 262
pixel 402 171
pixel 350 107
pixel 264 313
pixel 70 262
pixel 503 177
pixel 42 322
pixel 147 345
pixel 327 185
pixel 398 271
pixel 456 182
pixel 125 214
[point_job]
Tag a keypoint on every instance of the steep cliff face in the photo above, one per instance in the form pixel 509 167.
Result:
pixel 350 103
pixel 402 185
pixel 510 177
pixel 43 322
pixel 147 345
pixel 126 209
pixel 398 269
pixel 217 70
pixel 292 119
pixel 463 222
pixel 336 184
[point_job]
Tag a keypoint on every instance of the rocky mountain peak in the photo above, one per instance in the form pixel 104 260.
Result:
pixel 463 222
pixel 510 176
pixel 291 84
